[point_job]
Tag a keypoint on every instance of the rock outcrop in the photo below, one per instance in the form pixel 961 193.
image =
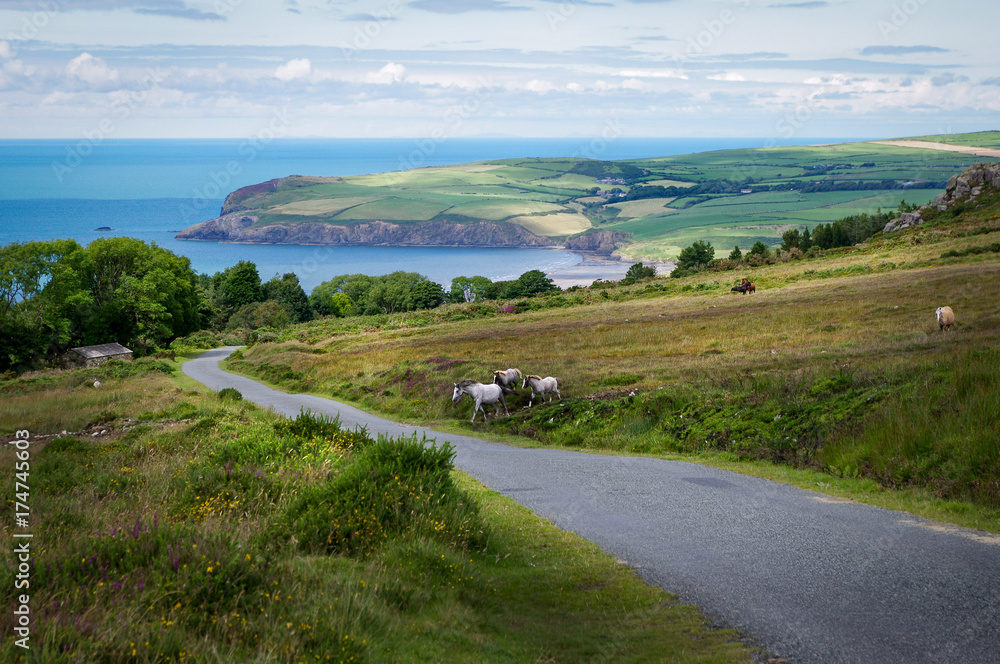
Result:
pixel 966 186
pixel 242 228
pixel 905 220
pixel 601 242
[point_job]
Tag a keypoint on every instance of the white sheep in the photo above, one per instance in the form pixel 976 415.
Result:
pixel 945 317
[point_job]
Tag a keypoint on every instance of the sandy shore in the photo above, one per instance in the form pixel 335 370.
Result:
pixel 596 267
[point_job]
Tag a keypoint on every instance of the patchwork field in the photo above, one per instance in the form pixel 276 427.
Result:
pixel 729 197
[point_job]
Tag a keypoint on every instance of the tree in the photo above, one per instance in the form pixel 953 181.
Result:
pixel 805 242
pixel 529 284
pixel 698 254
pixel 241 285
pixel 736 254
pixel 760 249
pixel 328 302
pixel 637 272
pixel 790 239
pixel 287 292
pixel 428 294
pixel 38 296
pixel 260 314
pixel 472 289
pixel 139 294
pixel 402 291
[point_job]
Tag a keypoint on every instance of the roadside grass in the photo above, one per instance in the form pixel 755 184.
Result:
pixel 216 539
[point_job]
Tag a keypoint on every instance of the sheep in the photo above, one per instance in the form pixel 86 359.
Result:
pixel 945 317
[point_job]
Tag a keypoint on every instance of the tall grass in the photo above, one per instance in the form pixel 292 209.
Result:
pixel 943 434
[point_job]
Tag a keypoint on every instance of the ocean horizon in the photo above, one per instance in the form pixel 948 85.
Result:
pixel 151 188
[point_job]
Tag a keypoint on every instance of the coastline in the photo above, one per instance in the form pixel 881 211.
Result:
pixel 597 266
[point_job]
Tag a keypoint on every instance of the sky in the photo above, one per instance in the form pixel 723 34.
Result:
pixel 434 69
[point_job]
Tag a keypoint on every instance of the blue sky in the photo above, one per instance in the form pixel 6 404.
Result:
pixel 443 68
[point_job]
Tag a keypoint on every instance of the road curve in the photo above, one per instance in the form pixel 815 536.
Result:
pixel 814 579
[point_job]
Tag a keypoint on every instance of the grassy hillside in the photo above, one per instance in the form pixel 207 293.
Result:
pixel 979 139
pixel 836 365
pixel 789 187
pixel 176 524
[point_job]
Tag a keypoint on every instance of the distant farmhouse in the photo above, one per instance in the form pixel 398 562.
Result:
pixel 95 356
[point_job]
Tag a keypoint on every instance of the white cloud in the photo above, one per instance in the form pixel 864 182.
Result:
pixel 89 69
pixel 391 73
pixel 539 86
pixel 293 69
pixel 15 67
pixel 729 76
pixel 6 52
pixel 652 73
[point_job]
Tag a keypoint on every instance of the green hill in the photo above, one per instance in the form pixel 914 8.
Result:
pixel 729 197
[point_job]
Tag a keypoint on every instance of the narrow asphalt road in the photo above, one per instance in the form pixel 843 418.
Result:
pixel 814 579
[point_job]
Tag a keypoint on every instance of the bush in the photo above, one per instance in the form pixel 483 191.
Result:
pixel 124 369
pixel 698 254
pixel 307 425
pixel 230 394
pixel 637 272
pixel 392 487
pixel 968 251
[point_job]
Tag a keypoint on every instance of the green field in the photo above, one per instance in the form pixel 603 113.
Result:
pixel 789 187
pixel 979 139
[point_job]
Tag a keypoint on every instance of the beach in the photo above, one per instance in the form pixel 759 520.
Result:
pixel 595 266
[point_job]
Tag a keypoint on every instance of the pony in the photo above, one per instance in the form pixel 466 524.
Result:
pixel 507 377
pixel 745 287
pixel 541 386
pixel 489 394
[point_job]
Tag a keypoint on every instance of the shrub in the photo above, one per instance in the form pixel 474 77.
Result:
pixel 637 272
pixel 230 394
pixel 391 487
pixel 699 253
pixel 309 425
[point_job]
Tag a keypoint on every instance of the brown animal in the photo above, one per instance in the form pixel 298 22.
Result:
pixel 945 318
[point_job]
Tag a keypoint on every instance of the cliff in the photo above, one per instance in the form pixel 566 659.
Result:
pixel 243 229
pixel 601 242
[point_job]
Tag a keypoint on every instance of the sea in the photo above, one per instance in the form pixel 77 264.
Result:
pixel 151 188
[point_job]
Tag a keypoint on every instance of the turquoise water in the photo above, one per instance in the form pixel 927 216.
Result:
pixel 150 189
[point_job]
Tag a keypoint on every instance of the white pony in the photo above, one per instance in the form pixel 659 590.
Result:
pixel 541 386
pixel 488 394
pixel 506 378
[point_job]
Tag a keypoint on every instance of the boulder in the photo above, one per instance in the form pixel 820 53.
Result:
pixel 905 220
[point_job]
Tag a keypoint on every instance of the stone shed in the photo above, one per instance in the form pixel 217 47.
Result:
pixel 95 356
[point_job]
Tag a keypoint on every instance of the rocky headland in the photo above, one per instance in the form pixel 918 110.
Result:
pixel 243 228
